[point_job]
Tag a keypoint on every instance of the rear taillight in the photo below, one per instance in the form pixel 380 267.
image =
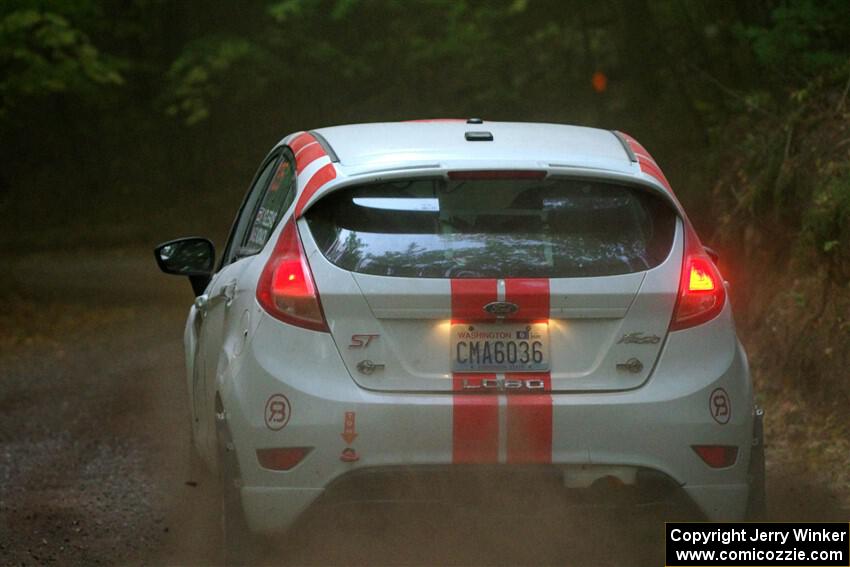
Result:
pixel 701 290
pixel 286 289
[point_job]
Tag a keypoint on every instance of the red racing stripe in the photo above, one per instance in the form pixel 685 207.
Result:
pixel 529 416
pixel 316 182
pixel 531 295
pixel 529 422
pixel 651 168
pixel 469 296
pixel 475 423
pixel 475 417
pixel 300 141
pixel 307 155
pixel 646 162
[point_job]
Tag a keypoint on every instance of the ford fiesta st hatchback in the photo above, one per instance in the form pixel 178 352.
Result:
pixel 414 305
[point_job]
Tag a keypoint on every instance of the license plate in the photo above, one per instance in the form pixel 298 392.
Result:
pixel 499 347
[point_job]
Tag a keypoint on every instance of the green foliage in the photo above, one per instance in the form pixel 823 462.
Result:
pixel 805 38
pixel 289 9
pixel 256 69
pixel 199 75
pixel 42 53
pixel 793 181
pixel 826 223
pixel 520 57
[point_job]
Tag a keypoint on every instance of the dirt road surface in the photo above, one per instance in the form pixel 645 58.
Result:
pixel 94 444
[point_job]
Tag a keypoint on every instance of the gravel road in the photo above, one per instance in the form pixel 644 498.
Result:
pixel 93 447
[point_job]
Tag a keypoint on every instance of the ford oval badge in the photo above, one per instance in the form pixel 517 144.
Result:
pixel 501 308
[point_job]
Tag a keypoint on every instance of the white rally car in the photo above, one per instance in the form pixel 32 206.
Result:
pixel 432 299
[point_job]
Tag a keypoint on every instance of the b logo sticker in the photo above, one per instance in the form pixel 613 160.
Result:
pixel 720 406
pixel 277 412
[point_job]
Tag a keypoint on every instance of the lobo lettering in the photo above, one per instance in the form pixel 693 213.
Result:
pixel 502 384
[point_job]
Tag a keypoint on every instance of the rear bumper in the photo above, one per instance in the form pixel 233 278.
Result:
pixel 472 491
pixel 650 428
pixel 275 509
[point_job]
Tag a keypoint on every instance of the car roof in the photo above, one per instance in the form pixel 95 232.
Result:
pixel 394 144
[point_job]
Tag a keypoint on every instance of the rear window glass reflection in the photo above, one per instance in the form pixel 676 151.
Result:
pixel 439 228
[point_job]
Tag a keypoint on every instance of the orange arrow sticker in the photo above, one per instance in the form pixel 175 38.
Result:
pixel 350 431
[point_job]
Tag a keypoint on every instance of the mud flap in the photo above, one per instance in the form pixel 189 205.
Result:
pixel 757 501
pixel 241 547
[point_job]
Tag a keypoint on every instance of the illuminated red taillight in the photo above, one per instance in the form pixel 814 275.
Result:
pixel 717 456
pixel 282 459
pixel 286 289
pixel 701 290
pixel 700 277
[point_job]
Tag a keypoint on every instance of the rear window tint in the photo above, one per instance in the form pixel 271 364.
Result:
pixel 438 228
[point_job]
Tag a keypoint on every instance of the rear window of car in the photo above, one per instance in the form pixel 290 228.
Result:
pixel 490 228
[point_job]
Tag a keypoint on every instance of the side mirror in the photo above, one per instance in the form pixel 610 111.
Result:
pixel 193 257
pixel 712 254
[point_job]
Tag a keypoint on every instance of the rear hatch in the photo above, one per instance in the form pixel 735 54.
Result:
pixel 481 277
